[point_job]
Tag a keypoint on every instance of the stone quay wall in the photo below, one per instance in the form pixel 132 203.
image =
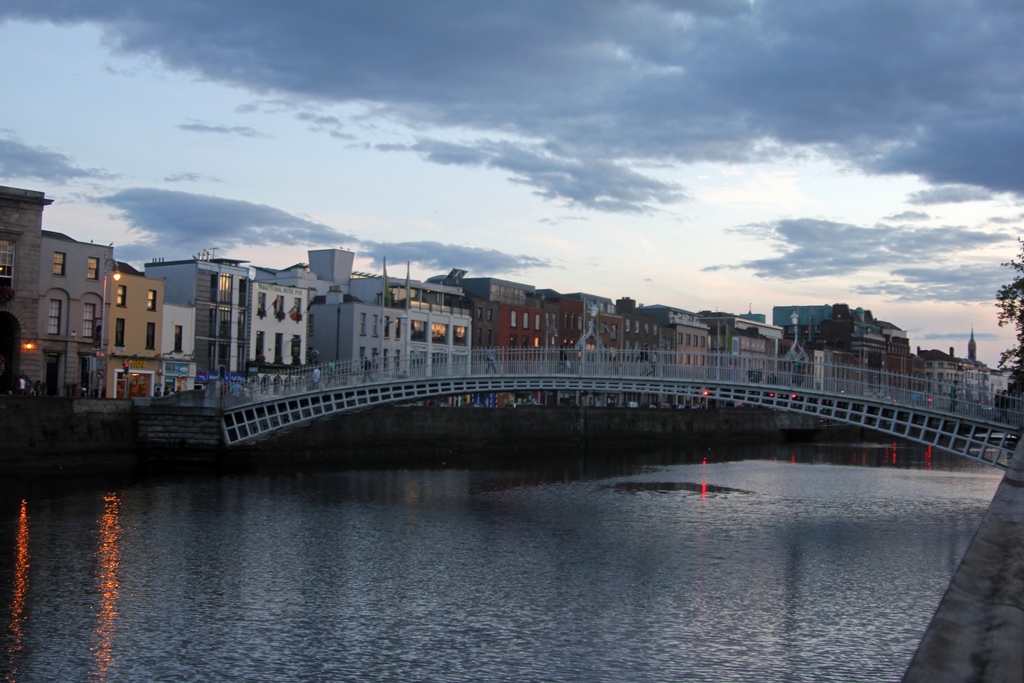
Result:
pixel 51 434
pixel 429 433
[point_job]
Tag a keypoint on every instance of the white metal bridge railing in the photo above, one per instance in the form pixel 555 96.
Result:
pixel 873 398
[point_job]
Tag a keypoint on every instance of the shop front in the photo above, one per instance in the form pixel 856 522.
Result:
pixel 134 377
pixel 177 377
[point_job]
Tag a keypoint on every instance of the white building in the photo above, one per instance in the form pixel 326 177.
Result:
pixel 179 366
pixel 218 288
pixel 421 325
pixel 278 325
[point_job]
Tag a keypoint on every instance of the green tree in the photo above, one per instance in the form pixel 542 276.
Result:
pixel 1010 302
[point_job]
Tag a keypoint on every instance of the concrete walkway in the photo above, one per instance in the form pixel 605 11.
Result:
pixel 977 633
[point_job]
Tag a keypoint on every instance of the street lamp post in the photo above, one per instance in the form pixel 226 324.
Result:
pixel 102 341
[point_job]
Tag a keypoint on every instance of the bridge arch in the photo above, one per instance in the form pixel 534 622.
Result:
pixel 877 403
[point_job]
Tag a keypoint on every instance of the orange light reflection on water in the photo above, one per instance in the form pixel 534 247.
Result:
pixel 21 563
pixel 108 557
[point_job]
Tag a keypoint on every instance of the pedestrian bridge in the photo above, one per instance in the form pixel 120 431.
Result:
pixel 949 417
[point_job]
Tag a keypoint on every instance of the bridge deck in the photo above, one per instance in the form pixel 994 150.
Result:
pixel 981 427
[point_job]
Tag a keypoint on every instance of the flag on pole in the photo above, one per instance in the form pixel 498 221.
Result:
pixel 387 289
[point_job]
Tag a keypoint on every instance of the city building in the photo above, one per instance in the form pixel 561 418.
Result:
pixel 134 354
pixel 278 335
pixel 218 289
pixel 74 298
pixel 179 335
pixel 508 314
pixel 391 323
pixel 21 227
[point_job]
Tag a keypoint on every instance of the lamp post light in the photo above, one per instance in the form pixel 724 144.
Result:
pixel 101 341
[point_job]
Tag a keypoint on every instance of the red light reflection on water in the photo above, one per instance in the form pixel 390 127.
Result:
pixel 108 557
pixel 928 458
pixel 21 563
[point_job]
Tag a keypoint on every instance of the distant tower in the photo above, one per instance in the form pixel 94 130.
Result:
pixel 972 348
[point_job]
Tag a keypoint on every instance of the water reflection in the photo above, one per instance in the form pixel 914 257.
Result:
pixel 724 565
pixel 703 488
pixel 108 557
pixel 21 563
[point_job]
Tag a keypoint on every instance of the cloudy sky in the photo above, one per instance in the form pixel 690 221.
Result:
pixel 728 155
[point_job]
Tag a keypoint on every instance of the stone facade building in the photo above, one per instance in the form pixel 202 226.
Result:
pixel 21 227
pixel 73 304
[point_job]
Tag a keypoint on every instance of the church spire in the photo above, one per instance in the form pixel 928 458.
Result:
pixel 972 348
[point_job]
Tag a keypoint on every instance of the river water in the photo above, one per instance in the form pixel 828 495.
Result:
pixel 772 563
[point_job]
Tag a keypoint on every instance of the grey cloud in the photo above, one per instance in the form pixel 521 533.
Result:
pixel 438 256
pixel 197 127
pixel 189 178
pixel 18 160
pixel 916 257
pixel 908 216
pixel 958 336
pixel 181 222
pixel 595 184
pixel 953 284
pixel 920 86
pixel 949 194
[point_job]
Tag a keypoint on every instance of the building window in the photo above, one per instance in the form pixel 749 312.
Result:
pixel 213 298
pixel 53 326
pixel 225 288
pixel 261 338
pixel 490 337
pixel 490 315
pixel 615 331
pixel 362 324
pixel 151 300
pixel 536 321
pixel 224 329
pixel 375 321
pixel 224 356
pixel 59 257
pixel 419 331
pixel 88 320
pixel 278 347
pixel 261 304
pixel 119 332
pixel 512 320
pixel 6 263
pixel 212 323
pixel 122 295
pixel 526 321
pixel 92 268
pixel 439 333
pixel 150 335
pixel 177 338
pixel 459 336
pixel 243 291
pixel 479 312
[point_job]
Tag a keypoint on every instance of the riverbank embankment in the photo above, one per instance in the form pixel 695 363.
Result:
pixel 53 434
pixel 977 633
pixel 57 434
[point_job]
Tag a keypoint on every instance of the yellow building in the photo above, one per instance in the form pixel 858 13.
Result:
pixel 134 336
